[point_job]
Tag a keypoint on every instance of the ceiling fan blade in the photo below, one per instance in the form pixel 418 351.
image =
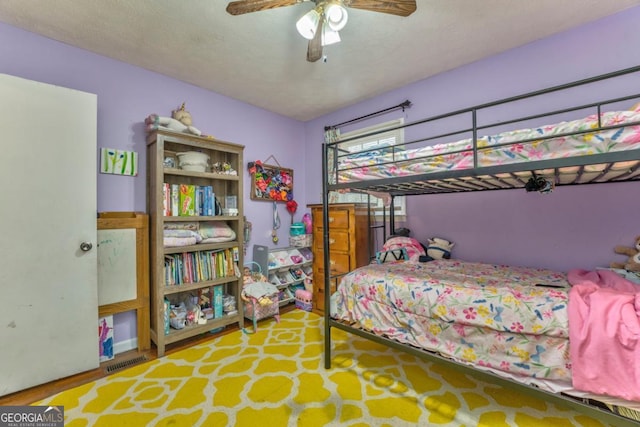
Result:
pixel 247 6
pixel 397 7
pixel 314 50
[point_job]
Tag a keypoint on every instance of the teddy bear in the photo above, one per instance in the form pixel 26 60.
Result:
pixel 179 121
pixel 438 248
pixel 633 262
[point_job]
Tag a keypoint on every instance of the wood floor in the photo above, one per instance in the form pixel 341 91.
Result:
pixel 34 394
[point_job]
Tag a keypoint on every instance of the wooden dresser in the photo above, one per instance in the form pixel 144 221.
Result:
pixel 348 248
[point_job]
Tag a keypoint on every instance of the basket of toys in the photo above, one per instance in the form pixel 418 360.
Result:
pixel 260 298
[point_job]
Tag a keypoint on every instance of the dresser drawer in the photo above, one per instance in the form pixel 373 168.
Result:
pixel 338 263
pixel 338 218
pixel 338 241
pixel 347 245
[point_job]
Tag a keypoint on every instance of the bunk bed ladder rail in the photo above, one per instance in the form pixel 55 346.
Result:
pixel 325 249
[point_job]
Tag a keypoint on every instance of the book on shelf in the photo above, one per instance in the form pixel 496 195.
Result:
pixel 166 199
pixel 198 201
pixel 205 208
pixel 175 199
pixel 188 269
pixel 217 301
pixel 209 198
pixel 199 266
pixel 187 200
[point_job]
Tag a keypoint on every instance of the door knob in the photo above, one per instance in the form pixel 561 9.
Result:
pixel 86 246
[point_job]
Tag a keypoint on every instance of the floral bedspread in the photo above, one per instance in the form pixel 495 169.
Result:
pixel 442 157
pixel 494 316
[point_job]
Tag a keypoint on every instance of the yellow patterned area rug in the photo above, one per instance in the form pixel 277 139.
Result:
pixel 276 377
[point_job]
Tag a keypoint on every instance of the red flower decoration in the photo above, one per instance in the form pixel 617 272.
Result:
pixel 292 206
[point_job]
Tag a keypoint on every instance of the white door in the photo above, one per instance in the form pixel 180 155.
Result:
pixel 48 284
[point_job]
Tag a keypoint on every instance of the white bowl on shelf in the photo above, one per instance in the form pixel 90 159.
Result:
pixel 194 161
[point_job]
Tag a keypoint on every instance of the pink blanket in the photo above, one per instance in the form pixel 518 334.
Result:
pixel 604 333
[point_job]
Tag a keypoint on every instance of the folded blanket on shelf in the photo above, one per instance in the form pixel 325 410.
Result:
pixel 182 233
pixel 170 242
pixel 181 226
pixel 216 229
pixel 604 333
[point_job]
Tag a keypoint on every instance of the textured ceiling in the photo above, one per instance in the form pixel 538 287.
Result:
pixel 259 58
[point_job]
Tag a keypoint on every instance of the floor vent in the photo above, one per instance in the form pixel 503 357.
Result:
pixel 125 364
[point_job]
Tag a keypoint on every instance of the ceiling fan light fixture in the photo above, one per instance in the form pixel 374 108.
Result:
pixel 336 16
pixel 329 36
pixel 308 24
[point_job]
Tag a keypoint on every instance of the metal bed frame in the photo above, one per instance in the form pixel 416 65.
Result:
pixel 612 167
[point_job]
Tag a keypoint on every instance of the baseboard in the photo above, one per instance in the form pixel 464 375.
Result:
pixel 126 345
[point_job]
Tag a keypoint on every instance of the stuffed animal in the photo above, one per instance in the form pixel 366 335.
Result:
pixel 180 121
pixel 439 248
pixel 633 262
pixel 205 301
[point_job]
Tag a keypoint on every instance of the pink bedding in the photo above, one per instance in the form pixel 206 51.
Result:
pixel 579 334
pixel 604 331
pixel 492 316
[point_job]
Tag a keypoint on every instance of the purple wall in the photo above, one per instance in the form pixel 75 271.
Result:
pixel 128 94
pixel 571 227
pixel 574 227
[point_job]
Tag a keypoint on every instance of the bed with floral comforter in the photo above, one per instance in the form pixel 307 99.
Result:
pixel 565 139
pixel 511 320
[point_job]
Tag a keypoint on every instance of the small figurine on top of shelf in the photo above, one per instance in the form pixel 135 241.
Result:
pixel 223 168
pixel 180 121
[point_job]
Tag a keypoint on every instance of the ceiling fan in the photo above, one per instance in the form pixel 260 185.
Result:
pixel 321 24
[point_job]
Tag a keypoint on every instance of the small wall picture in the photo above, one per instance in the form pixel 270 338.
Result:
pixel 118 162
pixel 105 338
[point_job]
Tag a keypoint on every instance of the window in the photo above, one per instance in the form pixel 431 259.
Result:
pixel 394 137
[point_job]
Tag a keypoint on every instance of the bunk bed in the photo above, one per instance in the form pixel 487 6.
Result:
pixel 498 145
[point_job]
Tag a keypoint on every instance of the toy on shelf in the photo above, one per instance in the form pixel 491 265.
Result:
pixel 306 220
pixel 303 299
pixel 180 121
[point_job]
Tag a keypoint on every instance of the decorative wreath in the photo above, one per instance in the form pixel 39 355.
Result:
pixel 274 184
